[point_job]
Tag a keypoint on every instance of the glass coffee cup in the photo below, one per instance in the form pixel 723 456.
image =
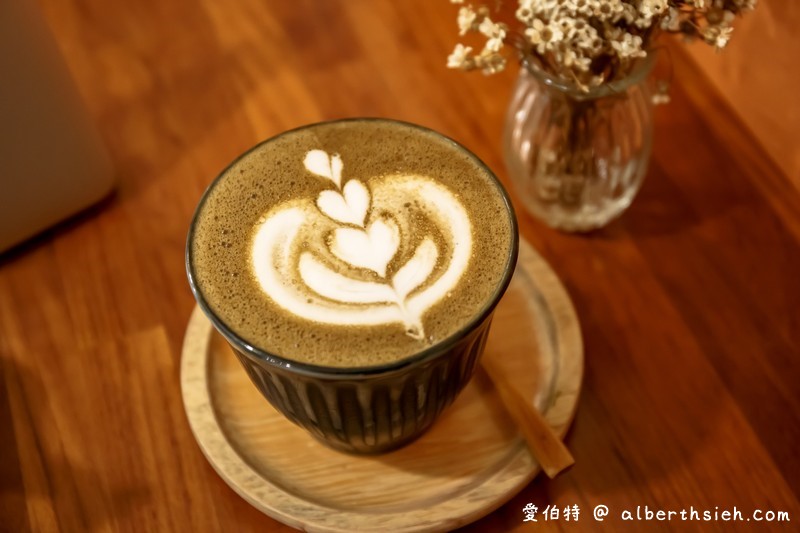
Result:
pixel 354 267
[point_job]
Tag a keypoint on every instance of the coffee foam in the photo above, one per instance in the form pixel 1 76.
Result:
pixel 278 243
pixel 351 282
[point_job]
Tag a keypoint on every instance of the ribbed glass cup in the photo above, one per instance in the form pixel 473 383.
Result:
pixel 369 409
pixel 577 159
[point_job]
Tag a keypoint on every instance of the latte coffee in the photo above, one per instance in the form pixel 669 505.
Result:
pixel 354 243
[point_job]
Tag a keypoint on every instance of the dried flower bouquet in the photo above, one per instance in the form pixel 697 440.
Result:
pixel 590 42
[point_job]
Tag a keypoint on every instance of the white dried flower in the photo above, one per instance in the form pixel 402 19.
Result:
pixel 534 33
pixel 571 59
pixel 628 46
pixel 652 8
pixel 585 37
pixel 525 13
pixel 541 7
pixel 718 36
pixel 491 29
pixel 672 21
pixel 489 62
pixel 629 13
pixel 493 45
pixel 543 36
pixel 466 19
pixel 459 58
pixel 609 10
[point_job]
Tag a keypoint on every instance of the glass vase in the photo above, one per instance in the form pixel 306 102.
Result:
pixel 577 158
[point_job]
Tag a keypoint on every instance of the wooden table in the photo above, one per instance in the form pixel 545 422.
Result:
pixel 689 303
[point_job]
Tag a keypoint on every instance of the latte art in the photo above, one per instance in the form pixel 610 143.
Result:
pixel 351 244
pixel 363 252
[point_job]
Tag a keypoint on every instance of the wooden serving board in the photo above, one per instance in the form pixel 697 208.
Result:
pixel 470 462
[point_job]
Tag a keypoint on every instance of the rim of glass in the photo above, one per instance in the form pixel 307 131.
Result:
pixel 332 372
pixel 638 73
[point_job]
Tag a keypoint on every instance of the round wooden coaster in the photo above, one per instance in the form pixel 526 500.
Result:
pixel 470 462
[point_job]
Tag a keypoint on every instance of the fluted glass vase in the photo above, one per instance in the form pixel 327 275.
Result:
pixel 576 158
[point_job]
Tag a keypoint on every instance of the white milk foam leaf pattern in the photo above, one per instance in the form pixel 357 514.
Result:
pixel 349 207
pixel 372 249
pixel 368 237
pixel 322 164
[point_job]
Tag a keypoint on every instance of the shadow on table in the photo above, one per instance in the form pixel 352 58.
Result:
pixel 44 237
pixel 42 486
pixel 659 209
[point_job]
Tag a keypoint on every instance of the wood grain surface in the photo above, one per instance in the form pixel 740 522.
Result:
pixel 756 75
pixel 689 303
